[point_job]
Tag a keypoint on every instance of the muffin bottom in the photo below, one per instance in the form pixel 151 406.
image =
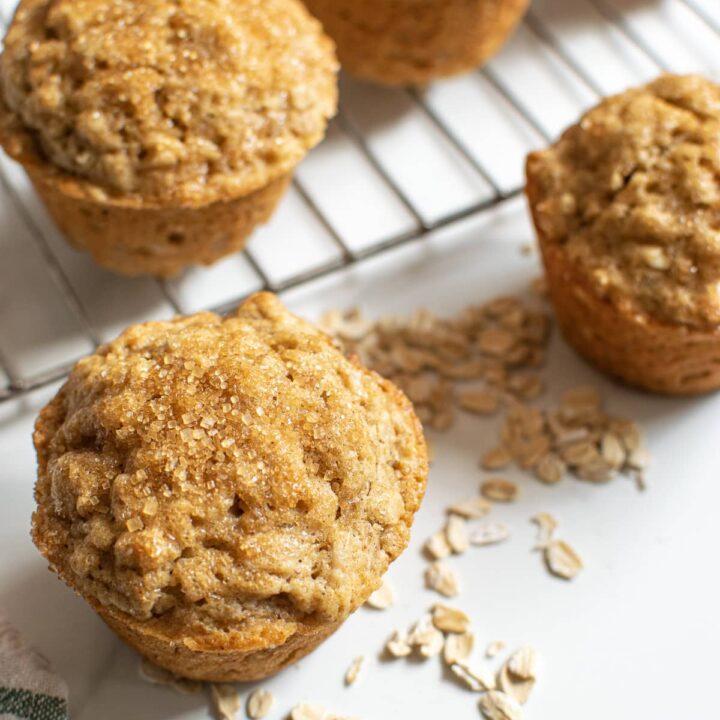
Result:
pixel 147 240
pixel 403 42
pixel 667 359
pixel 221 663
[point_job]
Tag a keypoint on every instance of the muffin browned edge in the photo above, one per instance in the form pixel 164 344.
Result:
pixel 636 349
pixel 212 658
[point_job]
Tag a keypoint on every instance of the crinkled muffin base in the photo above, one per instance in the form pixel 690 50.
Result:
pixel 404 42
pixel 147 240
pixel 229 662
pixel 666 359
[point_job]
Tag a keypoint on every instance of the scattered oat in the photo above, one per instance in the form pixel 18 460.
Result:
pixel 516 687
pixel 443 579
pixel 437 546
pixel 496 705
pixel 426 637
pixel 576 437
pixel 526 387
pixel 580 453
pixel 496 459
pixel 153 674
pixel 426 355
pixel 259 704
pixel 597 471
pixel 523 663
pixel 494 648
pixel 383 598
pixel 640 481
pixel 562 560
pixel 460 671
pixel 456 533
pixel 628 432
pixel 496 342
pixel 422 631
pixel 547 525
pixel 354 670
pixel 639 458
pixel 458 648
pixel 477 677
pixel 226 701
pixel 500 490
pixel 433 645
pixel 184 686
pixel 398 645
pixel 304 711
pixel 524 435
pixel 348 325
pixel 479 402
pixel 550 469
pixel 613 450
pixel 449 619
pixel 473 508
pixel 490 534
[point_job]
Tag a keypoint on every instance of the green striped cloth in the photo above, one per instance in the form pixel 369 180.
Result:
pixel 29 689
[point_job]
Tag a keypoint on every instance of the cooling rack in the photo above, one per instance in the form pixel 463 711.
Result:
pixel 397 165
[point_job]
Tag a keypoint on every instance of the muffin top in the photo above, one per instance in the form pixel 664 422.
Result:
pixel 632 194
pixel 172 101
pixel 213 474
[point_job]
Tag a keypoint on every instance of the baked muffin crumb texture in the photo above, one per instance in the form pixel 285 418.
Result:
pixel 235 476
pixel 632 195
pixel 187 101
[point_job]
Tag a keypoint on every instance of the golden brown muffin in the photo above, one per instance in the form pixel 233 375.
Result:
pixel 226 491
pixel 160 134
pixel 410 42
pixel 627 210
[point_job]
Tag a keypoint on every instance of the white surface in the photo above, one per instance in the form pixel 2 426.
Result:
pixel 628 639
pixel 635 635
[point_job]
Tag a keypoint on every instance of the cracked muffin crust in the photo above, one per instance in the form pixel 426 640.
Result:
pixel 136 107
pixel 627 209
pixel 411 42
pixel 226 491
pixel 191 100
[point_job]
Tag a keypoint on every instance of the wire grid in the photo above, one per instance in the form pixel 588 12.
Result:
pixel 19 383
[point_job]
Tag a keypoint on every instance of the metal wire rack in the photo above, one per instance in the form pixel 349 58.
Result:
pixel 548 40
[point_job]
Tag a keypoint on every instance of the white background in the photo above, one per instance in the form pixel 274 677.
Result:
pixel 636 635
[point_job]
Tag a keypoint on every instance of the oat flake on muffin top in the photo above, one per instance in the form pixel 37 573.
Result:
pixel 173 100
pixel 632 193
pixel 213 474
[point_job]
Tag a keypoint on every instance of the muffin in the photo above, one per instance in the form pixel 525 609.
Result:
pixel 627 210
pixel 224 492
pixel 160 134
pixel 410 42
